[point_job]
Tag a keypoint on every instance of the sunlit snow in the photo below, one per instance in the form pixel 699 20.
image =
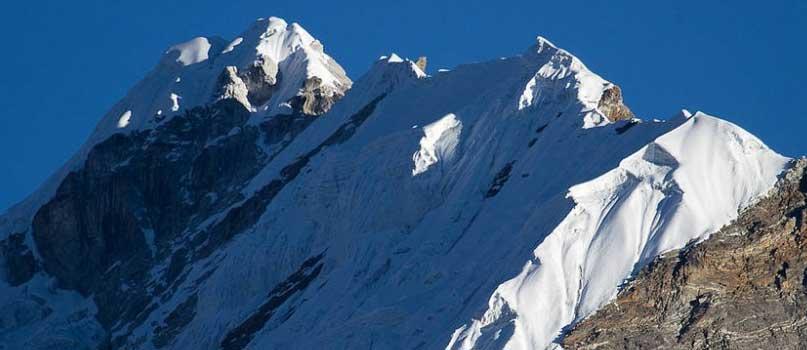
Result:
pixel 175 102
pixel 123 121
pixel 438 143
pixel 233 44
pixel 192 51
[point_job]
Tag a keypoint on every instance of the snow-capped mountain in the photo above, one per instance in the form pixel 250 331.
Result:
pixel 247 195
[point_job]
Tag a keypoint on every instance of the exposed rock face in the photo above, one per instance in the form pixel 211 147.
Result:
pixel 240 336
pixel 612 106
pixel 133 186
pixel 256 85
pixel 121 215
pixel 117 218
pixel 20 264
pixel 253 86
pixel 315 98
pixel 743 288
pixel 260 80
pixel 230 85
pixel 421 63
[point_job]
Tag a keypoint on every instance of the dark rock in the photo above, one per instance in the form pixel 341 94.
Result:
pixel 501 178
pixel 260 80
pixel 625 127
pixel 173 324
pixel 240 336
pixel 246 214
pixel 20 264
pixel 110 222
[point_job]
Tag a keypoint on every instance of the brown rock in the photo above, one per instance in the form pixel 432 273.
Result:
pixel 421 63
pixel 743 288
pixel 612 106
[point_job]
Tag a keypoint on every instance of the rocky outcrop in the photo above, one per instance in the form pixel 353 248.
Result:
pixel 743 288
pixel 260 79
pixel 20 264
pixel 113 220
pixel 315 98
pixel 240 336
pixel 230 85
pixel 252 86
pixel 421 63
pixel 612 106
pixel 255 85
pixel 117 218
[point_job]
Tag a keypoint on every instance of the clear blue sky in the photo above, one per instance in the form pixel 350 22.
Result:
pixel 64 63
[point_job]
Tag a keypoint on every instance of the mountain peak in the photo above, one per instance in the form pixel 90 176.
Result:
pixel 542 43
pixel 276 39
pixel 559 72
pixel 272 64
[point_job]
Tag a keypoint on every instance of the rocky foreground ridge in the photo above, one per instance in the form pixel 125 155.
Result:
pixel 745 287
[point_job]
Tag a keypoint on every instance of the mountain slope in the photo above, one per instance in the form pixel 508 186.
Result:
pixel 744 287
pixel 271 68
pixel 270 211
pixel 681 187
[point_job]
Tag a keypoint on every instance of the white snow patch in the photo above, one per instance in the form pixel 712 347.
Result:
pixel 394 58
pixel 192 51
pixel 233 44
pixel 439 142
pixel 175 102
pixel 123 121
pixel 687 114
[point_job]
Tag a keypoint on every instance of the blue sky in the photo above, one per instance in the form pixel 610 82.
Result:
pixel 64 63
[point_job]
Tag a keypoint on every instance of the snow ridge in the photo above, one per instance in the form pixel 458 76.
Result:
pixel 563 74
pixel 681 187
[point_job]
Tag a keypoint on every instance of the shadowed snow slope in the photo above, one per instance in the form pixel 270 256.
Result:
pixel 485 207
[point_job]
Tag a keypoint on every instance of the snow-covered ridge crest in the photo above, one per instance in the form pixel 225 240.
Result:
pixel 274 59
pixel 190 52
pixel 561 74
pixel 387 73
pixel 681 187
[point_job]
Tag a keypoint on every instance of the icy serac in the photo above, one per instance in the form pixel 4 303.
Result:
pixel 241 197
